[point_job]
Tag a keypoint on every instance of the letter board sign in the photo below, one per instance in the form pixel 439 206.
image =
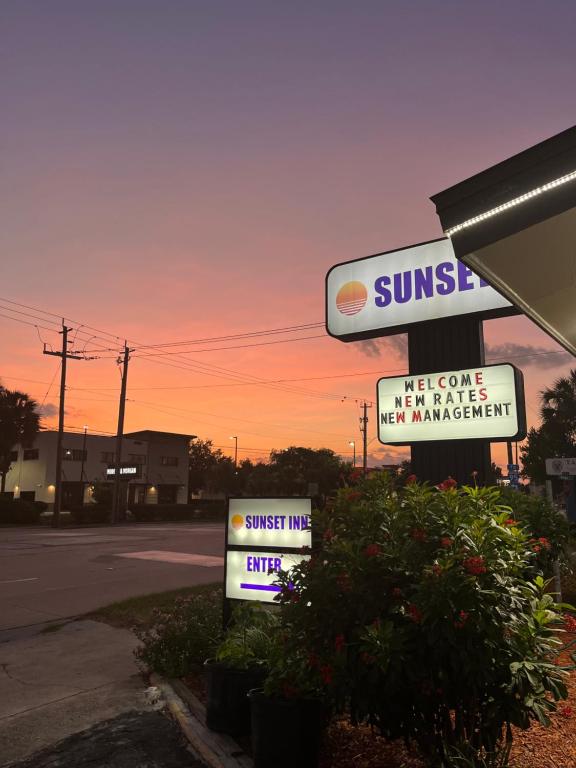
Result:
pixel 387 293
pixel 485 403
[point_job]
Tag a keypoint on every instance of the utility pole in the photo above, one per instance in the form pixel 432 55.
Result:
pixel 82 465
pixel 64 354
pixel 364 430
pixel 235 438
pixel 119 434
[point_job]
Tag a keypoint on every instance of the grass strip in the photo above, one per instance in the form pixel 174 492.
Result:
pixel 137 612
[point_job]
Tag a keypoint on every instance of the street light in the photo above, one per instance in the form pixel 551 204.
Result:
pixel 235 438
pixel 353 444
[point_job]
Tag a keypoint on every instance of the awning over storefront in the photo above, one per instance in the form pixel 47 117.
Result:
pixel 515 225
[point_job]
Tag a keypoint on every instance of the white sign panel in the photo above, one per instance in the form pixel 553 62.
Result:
pixel 251 575
pixel 561 466
pixel 476 403
pixel 384 293
pixel 123 470
pixel 269 522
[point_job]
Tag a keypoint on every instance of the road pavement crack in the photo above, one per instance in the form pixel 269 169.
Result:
pixel 4 668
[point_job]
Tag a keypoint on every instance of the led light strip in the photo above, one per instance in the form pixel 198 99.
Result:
pixel 512 203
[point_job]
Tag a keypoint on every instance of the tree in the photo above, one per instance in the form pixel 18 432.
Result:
pixel 299 468
pixel 210 470
pixel 556 436
pixel 19 424
pixel 202 457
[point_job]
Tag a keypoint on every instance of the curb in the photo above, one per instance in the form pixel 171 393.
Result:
pixel 215 749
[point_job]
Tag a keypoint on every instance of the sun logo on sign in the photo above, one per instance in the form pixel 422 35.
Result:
pixel 237 522
pixel 351 297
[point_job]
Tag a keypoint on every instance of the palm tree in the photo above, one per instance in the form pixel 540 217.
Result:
pixel 556 436
pixel 19 423
pixel 558 408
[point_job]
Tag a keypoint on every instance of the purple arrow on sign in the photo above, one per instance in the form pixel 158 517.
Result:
pixel 262 587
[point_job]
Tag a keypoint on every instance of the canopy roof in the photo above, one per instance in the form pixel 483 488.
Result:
pixel 515 225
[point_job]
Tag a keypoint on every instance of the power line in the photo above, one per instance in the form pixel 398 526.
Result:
pixel 232 337
pixel 236 346
pixel 203 368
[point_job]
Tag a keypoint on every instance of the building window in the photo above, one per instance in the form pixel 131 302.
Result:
pixel 31 454
pixel 107 457
pixel 27 495
pixel 13 456
pixel 74 454
pixel 169 461
pixel 137 458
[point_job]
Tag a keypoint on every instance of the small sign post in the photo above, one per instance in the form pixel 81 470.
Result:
pixel 263 537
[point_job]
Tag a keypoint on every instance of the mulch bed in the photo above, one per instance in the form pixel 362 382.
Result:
pixel 346 746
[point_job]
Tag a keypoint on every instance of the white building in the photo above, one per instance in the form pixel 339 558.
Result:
pixel 154 467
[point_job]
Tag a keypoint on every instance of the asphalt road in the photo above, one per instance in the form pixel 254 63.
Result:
pixel 47 574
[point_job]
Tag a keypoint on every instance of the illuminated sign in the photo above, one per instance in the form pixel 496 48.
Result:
pixel 386 293
pixel 270 522
pixel 250 574
pixel 133 471
pixel 486 403
pixel 264 536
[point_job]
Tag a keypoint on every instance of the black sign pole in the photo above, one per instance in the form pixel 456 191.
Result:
pixel 453 343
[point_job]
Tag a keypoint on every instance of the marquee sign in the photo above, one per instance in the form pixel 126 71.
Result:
pixel 263 537
pixel 486 403
pixel 387 293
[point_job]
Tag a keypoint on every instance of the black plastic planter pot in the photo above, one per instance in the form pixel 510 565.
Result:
pixel 227 705
pixel 286 733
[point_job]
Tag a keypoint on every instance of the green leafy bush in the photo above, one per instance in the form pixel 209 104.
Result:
pixel 15 512
pixel 249 640
pixel 548 530
pixel 181 638
pixel 423 613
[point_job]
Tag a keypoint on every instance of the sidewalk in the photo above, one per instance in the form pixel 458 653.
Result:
pixel 57 683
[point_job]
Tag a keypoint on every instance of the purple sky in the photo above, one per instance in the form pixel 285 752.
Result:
pixel 175 170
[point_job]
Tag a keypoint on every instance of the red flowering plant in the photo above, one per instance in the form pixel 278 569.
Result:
pixel 422 613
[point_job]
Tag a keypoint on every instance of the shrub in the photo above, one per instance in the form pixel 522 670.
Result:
pixel 91 514
pixel 424 613
pixel 249 640
pixel 15 512
pixel 548 529
pixel 182 638
pixel 200 510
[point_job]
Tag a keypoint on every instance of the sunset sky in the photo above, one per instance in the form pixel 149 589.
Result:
pixel 179 170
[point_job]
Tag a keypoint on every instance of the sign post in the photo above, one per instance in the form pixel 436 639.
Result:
pixel 263 536
pixel 421 290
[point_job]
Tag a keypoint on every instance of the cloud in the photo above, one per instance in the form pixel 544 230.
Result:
pixel 48 410
pixel 395 345
pixel 523 355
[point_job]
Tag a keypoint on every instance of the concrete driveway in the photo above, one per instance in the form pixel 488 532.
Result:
pixel 79 682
